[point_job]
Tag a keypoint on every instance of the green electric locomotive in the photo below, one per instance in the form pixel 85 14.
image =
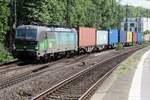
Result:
pixel 39 42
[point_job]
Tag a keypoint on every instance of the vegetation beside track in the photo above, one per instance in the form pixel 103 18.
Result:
pixel 132 60
pixel 119 46
pixel 5 56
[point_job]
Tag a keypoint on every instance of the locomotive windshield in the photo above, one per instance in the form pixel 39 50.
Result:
pixel 28 34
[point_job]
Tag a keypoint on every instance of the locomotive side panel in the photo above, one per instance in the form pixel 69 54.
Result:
pixel 58 41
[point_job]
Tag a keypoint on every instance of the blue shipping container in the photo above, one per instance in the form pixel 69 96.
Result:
pixel 113 37
pixel 123 37
pixel 140 37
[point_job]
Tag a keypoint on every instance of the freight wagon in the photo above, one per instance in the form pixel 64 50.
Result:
pixel 86 39
pixel 122 37
pixel 140 37
pixel 129 38
pixel 101 39
pixel 113 38
pixel 135 39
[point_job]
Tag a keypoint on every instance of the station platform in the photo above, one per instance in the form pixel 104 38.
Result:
pixel 130 81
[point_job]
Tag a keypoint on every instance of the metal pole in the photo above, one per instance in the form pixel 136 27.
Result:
pixel 67 16
pixel 97 14
pixel 126 18
pixel 119 16
pixel 15 16
pixel 147 17
pixel 126 11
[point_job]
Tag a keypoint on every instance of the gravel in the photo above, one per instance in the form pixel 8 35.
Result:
pixel 55 73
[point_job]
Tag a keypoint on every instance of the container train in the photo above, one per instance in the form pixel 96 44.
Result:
pixel 40 42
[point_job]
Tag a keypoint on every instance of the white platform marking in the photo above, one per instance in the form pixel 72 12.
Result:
pixel 135 90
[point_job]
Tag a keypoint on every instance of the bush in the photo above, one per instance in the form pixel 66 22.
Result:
pixel 147 32
pixel 119 46
pixel 5 56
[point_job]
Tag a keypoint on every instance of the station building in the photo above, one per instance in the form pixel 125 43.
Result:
pixel 139 24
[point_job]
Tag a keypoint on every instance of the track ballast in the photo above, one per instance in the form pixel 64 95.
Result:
pixel 75 87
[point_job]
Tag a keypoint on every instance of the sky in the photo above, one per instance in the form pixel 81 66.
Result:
pixel 141 3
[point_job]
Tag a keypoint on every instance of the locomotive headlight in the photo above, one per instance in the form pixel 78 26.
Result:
pixel 36 48
pixel 24 47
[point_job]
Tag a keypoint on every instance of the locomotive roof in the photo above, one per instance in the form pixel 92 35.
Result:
pixel 44 28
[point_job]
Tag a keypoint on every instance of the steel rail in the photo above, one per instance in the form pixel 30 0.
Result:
pixel 6 82
pixel 91 90
pixel 8 63
pixel 72 78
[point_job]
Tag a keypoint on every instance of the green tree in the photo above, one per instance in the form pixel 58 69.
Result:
pixel 102 14
pixel 4 13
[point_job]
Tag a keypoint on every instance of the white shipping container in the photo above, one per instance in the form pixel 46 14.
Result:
pixel 102 37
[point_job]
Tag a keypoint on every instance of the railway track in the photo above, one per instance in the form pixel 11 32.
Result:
pixel 11 67
pixel 8 63
pixel 6 82
pixel 17 65
pixel 80 86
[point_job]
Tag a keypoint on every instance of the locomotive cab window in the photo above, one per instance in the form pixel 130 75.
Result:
pixel 29 34
pixel 20 33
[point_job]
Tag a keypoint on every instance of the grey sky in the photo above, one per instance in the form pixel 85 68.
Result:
pixel 142 3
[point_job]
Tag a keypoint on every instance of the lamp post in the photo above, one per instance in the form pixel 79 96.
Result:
pixel 126 24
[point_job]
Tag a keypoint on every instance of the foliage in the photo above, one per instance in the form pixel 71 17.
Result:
pixel 4 13
pixel 49 12
pixel 119 46
pixel 4 55
pixel 73 13
pixel 137 11
pixel 91 13
pixel 147 32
